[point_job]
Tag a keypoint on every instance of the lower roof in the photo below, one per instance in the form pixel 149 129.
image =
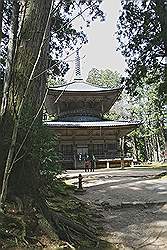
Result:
pixel 63 124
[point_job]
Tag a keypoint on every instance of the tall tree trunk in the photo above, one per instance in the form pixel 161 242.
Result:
pixel 25 96
pixel 146 149
pixel 155 149
pixel 158 147
pixel 6 122
pixel 135 149
pixel 10 56
pixel 162 14
pixel 151 148
pixel 1 16
pixel 161 6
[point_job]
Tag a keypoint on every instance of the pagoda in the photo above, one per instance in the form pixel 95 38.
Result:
pixel 79 108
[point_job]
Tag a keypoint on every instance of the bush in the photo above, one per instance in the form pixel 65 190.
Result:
pixel 45 149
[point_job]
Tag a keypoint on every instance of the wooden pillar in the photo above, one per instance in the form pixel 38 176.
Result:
pixel 74 152
pixel 75 162
pixel 108 164
pixel 75 159
pixel 58 110
pixel 100 131
pixel 122 141
pixel 117 139
pixel 102 108
pixel 105 148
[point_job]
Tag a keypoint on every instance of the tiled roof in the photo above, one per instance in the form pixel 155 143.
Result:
pixel 79 118
pixel 80 85
pixel 92 124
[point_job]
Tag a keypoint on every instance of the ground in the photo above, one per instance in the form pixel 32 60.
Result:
pixel 131 204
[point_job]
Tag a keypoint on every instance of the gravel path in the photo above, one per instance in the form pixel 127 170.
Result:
pixel 137 228
pixel 133 207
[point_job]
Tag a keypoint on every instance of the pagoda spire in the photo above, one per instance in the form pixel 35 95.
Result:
pixel 77 66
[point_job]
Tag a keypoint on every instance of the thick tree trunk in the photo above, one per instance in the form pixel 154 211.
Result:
pixel 25 96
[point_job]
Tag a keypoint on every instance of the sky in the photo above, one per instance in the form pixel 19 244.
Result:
pixel 100 51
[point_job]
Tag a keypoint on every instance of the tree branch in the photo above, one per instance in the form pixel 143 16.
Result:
pixel 80 13
pixel 53 65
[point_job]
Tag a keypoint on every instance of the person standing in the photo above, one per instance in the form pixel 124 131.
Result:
pixel 87 165
pixel 93 163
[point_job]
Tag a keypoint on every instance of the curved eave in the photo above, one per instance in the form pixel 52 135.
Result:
pixel 91 124
pixel 124 128
pixel 57 92
pixel 81 87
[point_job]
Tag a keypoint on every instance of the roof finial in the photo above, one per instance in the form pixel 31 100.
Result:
pixel 77 66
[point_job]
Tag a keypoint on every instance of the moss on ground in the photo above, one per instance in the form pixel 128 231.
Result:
pixel 29 229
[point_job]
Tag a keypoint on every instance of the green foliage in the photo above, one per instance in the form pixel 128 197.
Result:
pixel 148 108
pixel 56 81
pixel 111 79
pixel 60 187
pixel 142 42
pixel 45 148
pixel 42 146
pixel 105 78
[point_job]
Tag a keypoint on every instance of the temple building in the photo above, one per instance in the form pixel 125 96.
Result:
pixel 79 124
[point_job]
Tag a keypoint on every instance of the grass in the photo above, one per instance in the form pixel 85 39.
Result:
pixel 155 165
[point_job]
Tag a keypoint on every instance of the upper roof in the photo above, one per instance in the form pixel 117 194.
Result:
pixel 80 97
pixel 81 86
pixel 78 84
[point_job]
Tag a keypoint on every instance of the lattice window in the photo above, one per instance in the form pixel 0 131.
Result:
pixel 112 150
pixel 112 146
pixel 98 149
pixel 67 151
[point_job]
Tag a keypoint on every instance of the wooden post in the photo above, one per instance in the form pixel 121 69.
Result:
pixel 108 164
pixel 75 161
pixel 122 141
pixel 80 181
pixel 74 152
